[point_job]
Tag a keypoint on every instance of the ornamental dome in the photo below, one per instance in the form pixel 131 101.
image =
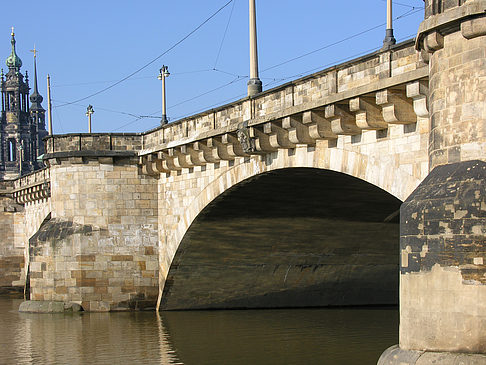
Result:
pixel 13 61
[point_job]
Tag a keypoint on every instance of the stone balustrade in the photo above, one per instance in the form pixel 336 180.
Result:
pixel 31 187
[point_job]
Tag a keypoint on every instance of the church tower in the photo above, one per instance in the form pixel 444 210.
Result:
pixel 21 127
pixel 38 113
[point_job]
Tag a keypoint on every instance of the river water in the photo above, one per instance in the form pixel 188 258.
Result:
pixel 284 336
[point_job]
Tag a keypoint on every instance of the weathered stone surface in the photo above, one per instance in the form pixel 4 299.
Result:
pixel 11 241
pixel 457 97
pixel 396 356
pixel 33 306
pixel 443 225
pixel 99 245
pixel 449 208
pixel 443 251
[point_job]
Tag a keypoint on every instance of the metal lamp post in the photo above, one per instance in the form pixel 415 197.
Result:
pixel 89 111
pixel 254 84
pixel 163 73
pixel 389 38
pixel 49 105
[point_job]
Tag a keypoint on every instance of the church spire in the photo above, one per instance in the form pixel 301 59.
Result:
pixel 35 97
pixel 13 61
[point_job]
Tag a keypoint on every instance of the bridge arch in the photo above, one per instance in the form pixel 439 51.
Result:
pixel 342 164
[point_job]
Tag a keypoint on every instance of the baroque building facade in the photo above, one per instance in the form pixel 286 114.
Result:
pixel 22 126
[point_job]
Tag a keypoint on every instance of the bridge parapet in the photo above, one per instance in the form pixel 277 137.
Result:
pixel 335 85
pixel 95 145
pixel 371 93
pixel 32 187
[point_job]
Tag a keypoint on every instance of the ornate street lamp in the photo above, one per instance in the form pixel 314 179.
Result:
pixel 89 111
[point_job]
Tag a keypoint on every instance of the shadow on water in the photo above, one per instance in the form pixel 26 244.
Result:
pixel 281 336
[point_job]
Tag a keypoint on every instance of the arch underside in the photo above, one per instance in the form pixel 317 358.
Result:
pixel 298 237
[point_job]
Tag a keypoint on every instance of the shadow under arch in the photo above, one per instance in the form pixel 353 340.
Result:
pixel 293 237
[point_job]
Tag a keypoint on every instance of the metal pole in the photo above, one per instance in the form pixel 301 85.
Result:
pixel 49 106
pixel 163 73
pixel 89 111
pixel 389 38
pixel 254 84
pixel 164 107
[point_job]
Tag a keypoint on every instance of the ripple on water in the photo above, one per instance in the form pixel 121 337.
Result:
pixel 283 336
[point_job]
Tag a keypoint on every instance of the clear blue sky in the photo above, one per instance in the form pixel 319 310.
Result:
pixel 87 46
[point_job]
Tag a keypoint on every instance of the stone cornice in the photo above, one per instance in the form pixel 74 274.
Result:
pixel 448 21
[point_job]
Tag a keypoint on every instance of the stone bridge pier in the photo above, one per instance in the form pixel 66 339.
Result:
pixel 443 222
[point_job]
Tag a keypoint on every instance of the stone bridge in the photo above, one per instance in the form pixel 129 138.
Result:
pixel 292 197
pixel 192 208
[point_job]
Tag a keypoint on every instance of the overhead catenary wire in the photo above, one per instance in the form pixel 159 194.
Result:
pixel 407 13
pixel 138 117
pixel 222 102
pixel 277 80
pixel 224 35
pixel 101 108
pixel 407 5
pixel 274 82
pixel 209 91
pixel 153 60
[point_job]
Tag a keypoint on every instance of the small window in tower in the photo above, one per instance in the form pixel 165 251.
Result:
pixel 12 156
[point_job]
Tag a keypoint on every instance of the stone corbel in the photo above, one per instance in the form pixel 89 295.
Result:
pixel 169 161
pixel 298 132
pixel 75 160
pixel 208 154
pixel 183 157
pixel 278 136
pixel 368 115
pixel 105 160
pixel 220 150
pixel 261 140
pixel 433 41
pixel 473 28
pixel 418 91
pixel 342 121
pixel 178 158
pixel 233 146
pixel 193 157
pixel 319 127
pixel 148 167
pixel 396 107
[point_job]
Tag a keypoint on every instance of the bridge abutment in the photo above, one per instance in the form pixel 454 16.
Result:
pixel 11 251
pixel 443 222
pixel 100 246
